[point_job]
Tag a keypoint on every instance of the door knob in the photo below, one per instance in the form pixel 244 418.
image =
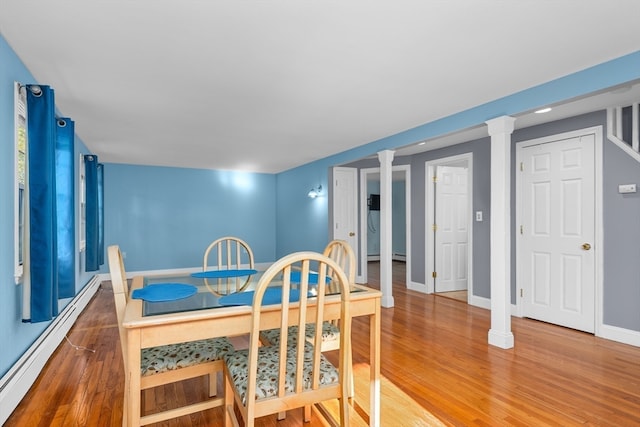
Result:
pixel 351 234
pixel 586 246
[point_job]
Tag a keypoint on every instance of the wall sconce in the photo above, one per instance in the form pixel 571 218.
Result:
pixel 315 192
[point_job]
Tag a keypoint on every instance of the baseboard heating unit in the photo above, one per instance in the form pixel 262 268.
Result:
pixel 15 384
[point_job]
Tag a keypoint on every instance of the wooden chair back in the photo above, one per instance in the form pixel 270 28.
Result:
pixel 310 309
pixel 342 253
pixel 120 291
pixel 228 253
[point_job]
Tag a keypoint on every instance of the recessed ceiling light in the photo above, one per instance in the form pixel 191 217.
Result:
pixel 543 110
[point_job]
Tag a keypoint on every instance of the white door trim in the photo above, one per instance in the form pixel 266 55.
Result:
pixel 430 167
pixel 599 225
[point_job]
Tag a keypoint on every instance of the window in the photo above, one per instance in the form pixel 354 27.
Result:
pixel 82 205
pixel 20 107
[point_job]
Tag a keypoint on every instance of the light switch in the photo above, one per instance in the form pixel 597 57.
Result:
pixel 626 188
pixel 478 216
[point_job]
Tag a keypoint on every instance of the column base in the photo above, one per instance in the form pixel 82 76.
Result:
pixel 386 301
pixel 501 339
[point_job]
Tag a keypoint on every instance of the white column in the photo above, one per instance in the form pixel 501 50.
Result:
pixel 500 129
pixel 386 268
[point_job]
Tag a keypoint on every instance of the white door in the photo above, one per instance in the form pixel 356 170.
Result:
pixel 557 232
pixel 452 229
pixel 345 206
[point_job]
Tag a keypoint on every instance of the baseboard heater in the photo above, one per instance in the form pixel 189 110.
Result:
pixel 394 257
pixel 15 384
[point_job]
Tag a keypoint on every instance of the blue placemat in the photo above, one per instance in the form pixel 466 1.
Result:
pixel 164 292
pixel 271 296
pixel 313 277
pixel 218 274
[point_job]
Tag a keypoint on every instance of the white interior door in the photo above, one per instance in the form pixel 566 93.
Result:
pixel 452 229
pixel 345 206
pixel 557 206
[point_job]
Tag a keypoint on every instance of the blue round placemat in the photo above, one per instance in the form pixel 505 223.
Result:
pixel 218 274
pixel 164 292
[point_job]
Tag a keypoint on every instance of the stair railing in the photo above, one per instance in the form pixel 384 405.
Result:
pixel 615 129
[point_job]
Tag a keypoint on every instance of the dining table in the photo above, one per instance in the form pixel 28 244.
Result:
pixel 203 313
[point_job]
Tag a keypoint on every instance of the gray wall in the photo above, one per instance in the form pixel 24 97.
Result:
pixel 621 241
pixel 621 222
pixel 481 150
pixel 621 217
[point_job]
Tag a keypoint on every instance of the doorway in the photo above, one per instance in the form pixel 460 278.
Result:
pixel 448 251
pixel 401 218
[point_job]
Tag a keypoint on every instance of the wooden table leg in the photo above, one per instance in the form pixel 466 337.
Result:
pixel 374 363
pixel 132 385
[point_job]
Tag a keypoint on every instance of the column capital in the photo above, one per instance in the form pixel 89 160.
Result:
pixel 386 156
pixel 501 125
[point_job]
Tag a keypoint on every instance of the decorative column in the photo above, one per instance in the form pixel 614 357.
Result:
pixel 386 268
pixel 500 130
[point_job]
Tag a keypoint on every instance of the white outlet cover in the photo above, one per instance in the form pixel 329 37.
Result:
pixel 626 188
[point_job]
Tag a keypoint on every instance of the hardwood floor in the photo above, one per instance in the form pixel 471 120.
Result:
pixel 457 295
pixel 433 348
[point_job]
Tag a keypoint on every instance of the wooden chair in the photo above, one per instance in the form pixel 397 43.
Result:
pixel 263 380
pixel 170 363
pixel 229 253
pixel 342 253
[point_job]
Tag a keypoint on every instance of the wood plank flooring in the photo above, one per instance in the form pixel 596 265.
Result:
pixel 433 348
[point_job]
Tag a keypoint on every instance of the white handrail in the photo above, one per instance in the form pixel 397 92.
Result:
pixel 635 139
pixel 614 130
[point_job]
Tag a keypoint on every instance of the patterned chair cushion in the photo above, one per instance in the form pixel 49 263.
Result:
pixel 267 379
pixel 175 356
pixel 330 332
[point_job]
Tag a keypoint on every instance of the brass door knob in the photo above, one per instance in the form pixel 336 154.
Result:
pixel 351 234
pixel 586 246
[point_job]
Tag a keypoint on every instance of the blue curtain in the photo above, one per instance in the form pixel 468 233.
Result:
pixel 43 266
pixel 65 204
pixel 94 221
pixel 100 214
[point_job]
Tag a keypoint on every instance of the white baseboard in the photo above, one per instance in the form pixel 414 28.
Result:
pixel 419 287
pixel 481 302
pixel 15 384
pixel 625 336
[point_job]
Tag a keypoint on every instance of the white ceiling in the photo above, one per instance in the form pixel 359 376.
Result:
pixel 266 86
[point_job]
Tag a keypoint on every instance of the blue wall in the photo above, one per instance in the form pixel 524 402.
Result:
pixel 398 219
pixel 165 218
pixel 12 331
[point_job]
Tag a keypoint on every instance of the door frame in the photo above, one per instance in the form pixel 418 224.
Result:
pixel 364 174
pixel 429 208
pixel 598 220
